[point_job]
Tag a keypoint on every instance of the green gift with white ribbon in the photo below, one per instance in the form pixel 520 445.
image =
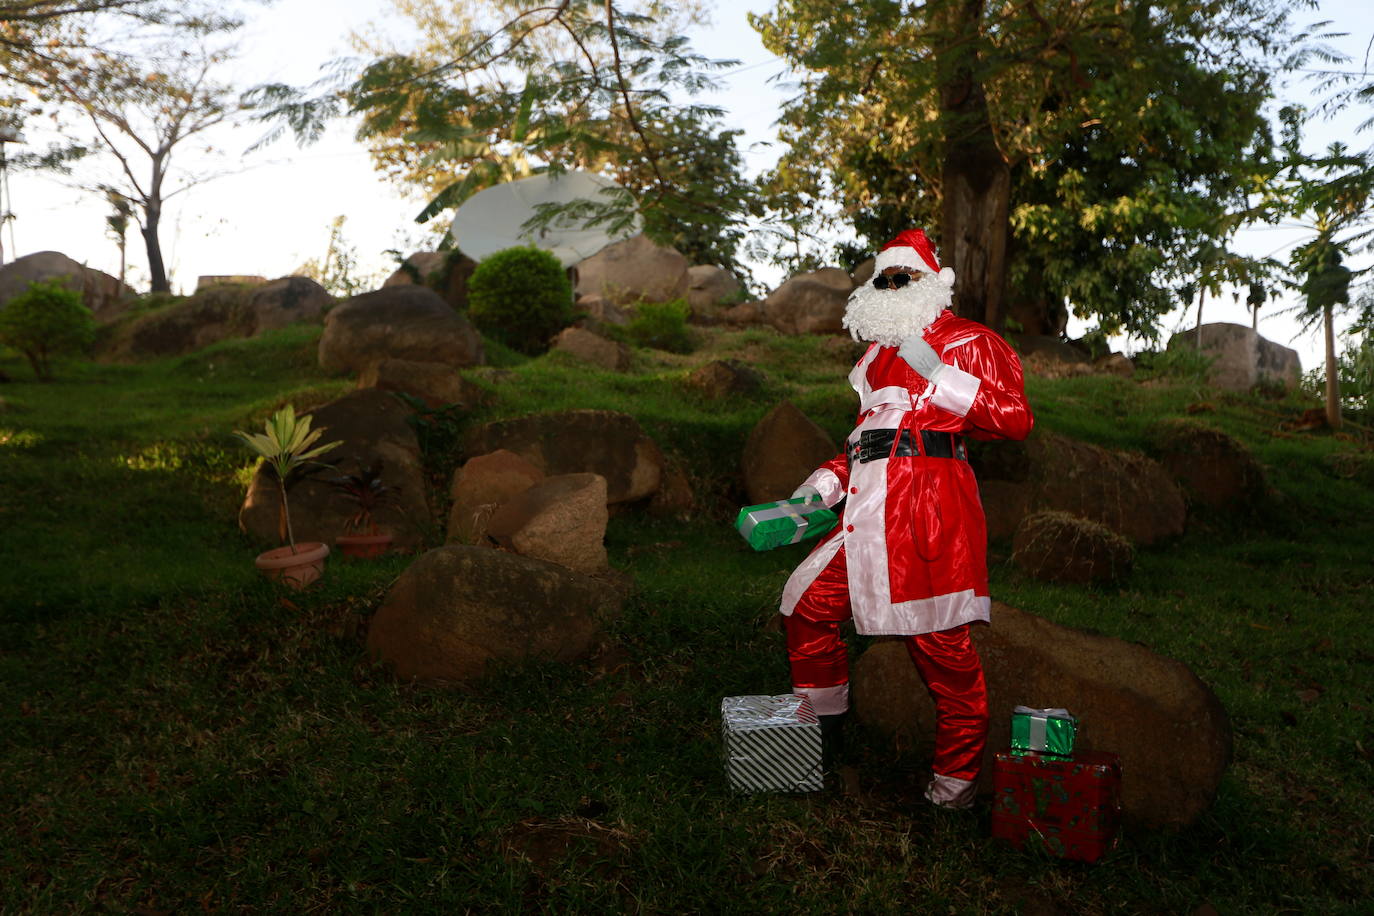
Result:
pixel 787 521
pixel 1043 731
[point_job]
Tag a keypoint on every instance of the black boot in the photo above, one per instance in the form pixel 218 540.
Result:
pixel 832 740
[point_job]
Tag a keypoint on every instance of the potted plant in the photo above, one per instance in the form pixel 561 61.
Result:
pixel 366 491
pixel 287 444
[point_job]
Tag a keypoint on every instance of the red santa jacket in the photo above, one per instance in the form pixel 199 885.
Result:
pixel 912 526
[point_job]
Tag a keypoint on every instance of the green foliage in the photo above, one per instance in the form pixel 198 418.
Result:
pixel 498 90
pixel 662 326
pixel 287 444
pixel 45 320
pixel 521 297
pixel 1355 369
pixel 1118 172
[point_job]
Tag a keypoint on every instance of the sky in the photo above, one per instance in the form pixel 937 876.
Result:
pixel 271 210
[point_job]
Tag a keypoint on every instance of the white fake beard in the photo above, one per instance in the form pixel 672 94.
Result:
pixel 889 316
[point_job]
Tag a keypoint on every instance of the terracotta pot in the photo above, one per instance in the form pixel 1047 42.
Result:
pixel 363 545
pixel 295 570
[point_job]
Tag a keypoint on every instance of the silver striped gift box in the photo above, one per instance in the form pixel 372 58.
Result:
pixel 772 743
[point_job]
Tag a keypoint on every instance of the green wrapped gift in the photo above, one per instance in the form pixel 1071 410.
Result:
pixel 787 521
pixel 1043 731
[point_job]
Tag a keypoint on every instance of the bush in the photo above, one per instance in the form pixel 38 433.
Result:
pixel 520 297
pixel 44 320
pixel 661 325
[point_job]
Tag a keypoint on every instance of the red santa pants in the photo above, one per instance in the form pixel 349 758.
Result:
pixel 947 661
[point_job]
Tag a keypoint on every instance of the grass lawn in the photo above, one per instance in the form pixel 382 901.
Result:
pixel 180 735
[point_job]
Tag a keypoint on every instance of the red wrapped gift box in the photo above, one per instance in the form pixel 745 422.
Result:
pixel 1069 807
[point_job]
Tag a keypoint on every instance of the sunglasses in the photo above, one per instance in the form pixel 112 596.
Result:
pixel 896 281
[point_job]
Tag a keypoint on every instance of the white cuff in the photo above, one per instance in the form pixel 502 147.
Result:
pixel 956 390
pixel 826 484
pixel 951 792
pixel 826 701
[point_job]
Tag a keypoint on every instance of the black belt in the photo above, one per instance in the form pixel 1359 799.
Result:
pixel 878 443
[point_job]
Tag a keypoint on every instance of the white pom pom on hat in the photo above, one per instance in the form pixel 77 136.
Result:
pixel 912 249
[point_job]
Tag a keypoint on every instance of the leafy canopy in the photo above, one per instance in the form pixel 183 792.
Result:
pixel 1130 129
pixel 504 89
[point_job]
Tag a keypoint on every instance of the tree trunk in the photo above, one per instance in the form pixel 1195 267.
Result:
pixel 151 215
pixel 1333 380
pixel 976 177
pixel 1201 295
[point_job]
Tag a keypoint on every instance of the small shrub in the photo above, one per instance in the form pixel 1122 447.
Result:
pixel 520 297
pixel 662 325
pixel 44 320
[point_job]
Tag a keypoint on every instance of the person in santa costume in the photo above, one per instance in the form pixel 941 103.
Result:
pixel 908 557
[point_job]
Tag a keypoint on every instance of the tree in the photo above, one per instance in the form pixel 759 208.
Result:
pixel 573 84
pixel 1081 149
pixel 117 224
pixel 142 108
pixel 1330 194
pixel 44 320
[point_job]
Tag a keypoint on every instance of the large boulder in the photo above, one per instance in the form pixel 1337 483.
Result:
pixel 592 348
pixel 1126 491
pixel 707 287
pixel 1170 729
pixel 480 486
pixel 561 519
pixel 458 609
pixel 372 426
pixel 782 450
pixel 285 301
pixel 397 322
pixel 436 384
pixel 445 272
pixel 633 270
pixel 722 378
pixel 1058 547
pixel 810 303
pixel 217 312
pixel 573 441
pixel 103 294
pixel 1241 358
pixel 1215 469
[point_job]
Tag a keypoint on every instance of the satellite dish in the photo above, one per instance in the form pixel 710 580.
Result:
pixel 493 220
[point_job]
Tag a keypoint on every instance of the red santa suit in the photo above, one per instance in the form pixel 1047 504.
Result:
pixel 909 555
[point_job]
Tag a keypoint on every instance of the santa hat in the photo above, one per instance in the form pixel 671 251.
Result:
pixel 912 249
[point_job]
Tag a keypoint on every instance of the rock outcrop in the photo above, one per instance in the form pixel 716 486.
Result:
pixel 724 378
pixel 782 450
pixel 1172 733
pixel 480 486
pixel 560 519
pixel 436 384
pixel 1215 469
pixel 1241 358
pixel 457 613
pixel 592 348
pixel 397 322
pixel 1058 547
pixel 1126 491
pixel 601 442
pixel 707 288
pixel 217 312
pixel 633 270
pixel 809 303
pixel 103 294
